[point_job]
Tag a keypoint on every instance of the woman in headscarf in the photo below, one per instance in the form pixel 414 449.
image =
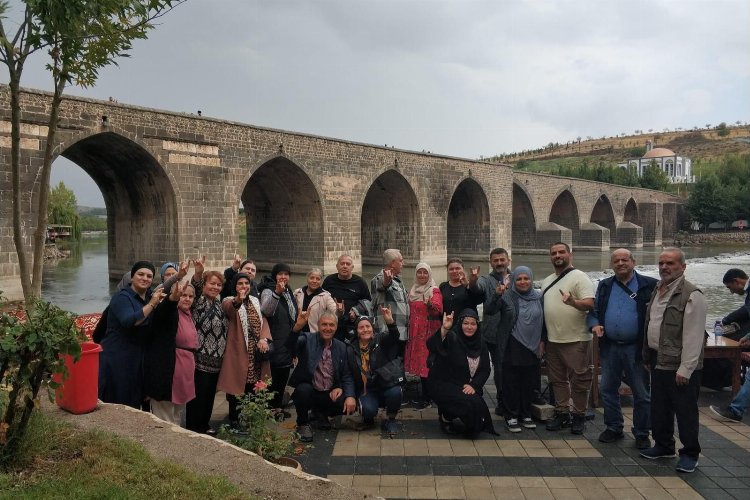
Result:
pixel 313 299
pixel 280 308
pixel 461 368
pixel 248 343
pixel 425 309
pixel 519 342
pixel 377 370
pixel 128 325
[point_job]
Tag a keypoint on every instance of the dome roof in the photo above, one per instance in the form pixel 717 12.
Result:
pixel 659 152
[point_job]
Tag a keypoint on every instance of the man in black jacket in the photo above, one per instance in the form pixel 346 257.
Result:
pixel 737 282
pixel 617 319
pixel 322 380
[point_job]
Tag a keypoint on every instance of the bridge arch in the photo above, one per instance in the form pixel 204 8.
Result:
pixel 139 195
pixel 468 224
pixel 389 218
pixel 564 212
pixel 603 214
pixel 631 212
pixel 524 220
pixel 283 216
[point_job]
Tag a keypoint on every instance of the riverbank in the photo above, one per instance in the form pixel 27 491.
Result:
pixel 683 238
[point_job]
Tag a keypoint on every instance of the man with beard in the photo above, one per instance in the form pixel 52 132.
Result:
pixel 617 319
pixel 673 352
pixel 568 296
pixel 349 291
pixel 493 286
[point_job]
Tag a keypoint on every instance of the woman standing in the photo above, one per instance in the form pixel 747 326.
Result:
pixel 128 326
pixel 248 343
pixel 458 292
pixel 211 324
pixel 170 362
pixel 313 299
pixel 425 309
pixel 462 366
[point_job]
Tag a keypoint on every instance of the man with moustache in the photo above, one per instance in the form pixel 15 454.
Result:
pixel 349 291
pixel 618 318
pixel 673 352
pixel 568 296
pixel 388 291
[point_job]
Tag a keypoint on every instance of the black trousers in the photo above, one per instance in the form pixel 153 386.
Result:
pixel 306 398
pixel 234 402
pixel 669 400
pixel 198 411
pixel 279 378
pixel 518 389
pixel 497 374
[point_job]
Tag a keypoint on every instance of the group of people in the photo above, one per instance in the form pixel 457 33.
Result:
pixel 346 347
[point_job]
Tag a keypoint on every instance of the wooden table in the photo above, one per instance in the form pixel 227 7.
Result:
pixel 725 348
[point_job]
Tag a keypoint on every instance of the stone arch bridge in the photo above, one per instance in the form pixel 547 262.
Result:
pixel 172 184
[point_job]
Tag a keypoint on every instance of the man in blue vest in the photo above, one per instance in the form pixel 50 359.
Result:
pixel 617 319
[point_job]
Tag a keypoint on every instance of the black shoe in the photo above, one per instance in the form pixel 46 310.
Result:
pixel 610 436
pixel 578 424
pixel 724 414
pixel 305 433
pixel 421 404
pixel 642 443
pixel 657 451
pixel 560 421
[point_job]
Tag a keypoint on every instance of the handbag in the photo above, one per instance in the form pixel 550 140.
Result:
pixel 390 374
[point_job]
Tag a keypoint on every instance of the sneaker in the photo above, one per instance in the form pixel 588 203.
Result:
pixel 512 425
pixel 560 421
pixel 610 436
pixel 305 433
pixel 578 424
pixel 527 423
pixel 391 427
pixel 642 443
pixel 421 404
pixel 657 452
pixel 686 464
pixel 724 414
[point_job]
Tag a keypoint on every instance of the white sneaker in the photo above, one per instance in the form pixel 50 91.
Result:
pixel 528 423
pixel 512 424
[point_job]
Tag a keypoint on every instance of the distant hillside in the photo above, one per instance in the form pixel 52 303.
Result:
pixel 92 211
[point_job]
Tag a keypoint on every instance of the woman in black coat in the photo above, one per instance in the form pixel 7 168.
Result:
pixel 461 368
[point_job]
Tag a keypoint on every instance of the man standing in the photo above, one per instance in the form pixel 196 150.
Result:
pixel 388 291
pixel 568 296
pixel 618 318
pixel 348 290
pixel 493 286
pixel 673 352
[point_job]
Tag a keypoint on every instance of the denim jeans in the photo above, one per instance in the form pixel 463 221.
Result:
pixel 742 400
pixel 389 398
pixel 615 360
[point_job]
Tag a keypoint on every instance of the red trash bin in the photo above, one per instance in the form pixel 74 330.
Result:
pixel 80 391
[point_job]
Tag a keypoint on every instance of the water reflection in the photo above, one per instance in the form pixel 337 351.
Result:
pixel 80 283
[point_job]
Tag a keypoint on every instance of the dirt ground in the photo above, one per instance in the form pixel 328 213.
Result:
pixel 206 455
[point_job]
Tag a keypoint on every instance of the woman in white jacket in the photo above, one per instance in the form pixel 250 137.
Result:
pixel 313 299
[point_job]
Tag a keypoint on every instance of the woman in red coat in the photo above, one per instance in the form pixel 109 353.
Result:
pixel 425 310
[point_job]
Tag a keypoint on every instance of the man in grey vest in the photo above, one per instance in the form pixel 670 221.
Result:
pixel 387 290
pixel 673 353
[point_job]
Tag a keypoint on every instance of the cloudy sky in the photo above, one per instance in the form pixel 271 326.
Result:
pixel 465 78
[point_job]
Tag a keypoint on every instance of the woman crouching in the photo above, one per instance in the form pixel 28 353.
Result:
pixel 461 368
pixel 378 371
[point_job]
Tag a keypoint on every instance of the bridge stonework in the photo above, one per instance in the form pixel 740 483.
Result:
pixel 172 184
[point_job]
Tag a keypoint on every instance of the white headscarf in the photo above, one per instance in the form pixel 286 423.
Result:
pixel 422 292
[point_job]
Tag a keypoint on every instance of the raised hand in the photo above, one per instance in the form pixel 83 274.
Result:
pixel 447 321
pixel 462 278
pixel 236 262
pixel 474 274
pixel 177 290
pixel 200 265
pixel 280 286
pixel 301 320
pixel 183 269
pixel 567 298
pixel 339 307
pixel 387 277
pixel 157 297
pixel 500 288
pixel 387 314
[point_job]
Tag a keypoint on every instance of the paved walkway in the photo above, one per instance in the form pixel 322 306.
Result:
pixel 534 464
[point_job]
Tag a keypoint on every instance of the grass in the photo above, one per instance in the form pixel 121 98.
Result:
pixel 59 461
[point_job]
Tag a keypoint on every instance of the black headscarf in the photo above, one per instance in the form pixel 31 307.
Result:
pixel 235 280
pixel 141 264
pixel 472 345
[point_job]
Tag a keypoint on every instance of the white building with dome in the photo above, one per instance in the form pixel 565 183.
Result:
pixel 676 167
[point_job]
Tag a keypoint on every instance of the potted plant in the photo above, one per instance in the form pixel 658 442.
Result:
pixel 257 430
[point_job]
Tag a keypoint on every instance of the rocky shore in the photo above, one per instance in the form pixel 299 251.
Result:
pixel 684 238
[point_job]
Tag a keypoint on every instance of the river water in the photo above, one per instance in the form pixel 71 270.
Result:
pixel 80 283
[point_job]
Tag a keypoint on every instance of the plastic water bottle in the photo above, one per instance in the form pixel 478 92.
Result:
pixel 718 331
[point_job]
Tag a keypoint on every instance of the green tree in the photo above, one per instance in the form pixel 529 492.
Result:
pixel 63 208
pixel 80 37
pixel 722 129
pixel 654 177
pixel 708 202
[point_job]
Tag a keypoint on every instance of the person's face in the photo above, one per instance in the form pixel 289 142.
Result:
pixel 670 267
pixel 422 276
pixel 344 267
pixel 559 256
pixel 455 270
pixel 523 283
pixel 500 263
pixel 171 271
pixel 397 265
pixel 313 281
pixel 622 263
pixel 243 285
pixel 186 299
pixel 326 328
pixel 142 280
pixel 469 326
pixel 735 286
pixel 364 331
pixel 212 287
pixel 282 277
pixel 249 269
